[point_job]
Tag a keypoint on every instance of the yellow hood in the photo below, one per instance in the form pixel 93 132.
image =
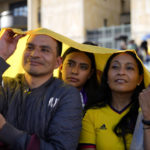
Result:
pixel 101 53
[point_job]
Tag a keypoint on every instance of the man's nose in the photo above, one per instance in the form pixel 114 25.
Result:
pixel 35 53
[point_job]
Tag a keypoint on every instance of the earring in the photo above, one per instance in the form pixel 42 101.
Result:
pixel 138 84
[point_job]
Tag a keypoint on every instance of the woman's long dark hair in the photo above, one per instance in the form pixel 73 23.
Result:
pixel 92 83
pixel 127 123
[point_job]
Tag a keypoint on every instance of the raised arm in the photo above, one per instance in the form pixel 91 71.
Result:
pixel 144 100
pixel 8 42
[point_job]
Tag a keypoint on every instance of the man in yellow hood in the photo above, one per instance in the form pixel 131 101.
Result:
pixel 37 111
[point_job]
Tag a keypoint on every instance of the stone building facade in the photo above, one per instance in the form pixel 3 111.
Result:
pixel 140 19
pixel 73 18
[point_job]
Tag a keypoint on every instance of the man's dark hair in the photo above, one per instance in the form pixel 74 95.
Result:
pixel 59 48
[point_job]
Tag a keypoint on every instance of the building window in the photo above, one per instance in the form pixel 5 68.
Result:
pixel 108 45
pixel 19 8
pixel 123 6
pixel 108 33
pixel 105 22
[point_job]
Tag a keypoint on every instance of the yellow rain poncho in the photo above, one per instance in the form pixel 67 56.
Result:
pixel 101 53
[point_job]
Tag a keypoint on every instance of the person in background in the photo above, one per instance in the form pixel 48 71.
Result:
pixel 123 45
pixel 144 55
pixel 132 45
pixel 110 121
pixel 79 70
pixel 143 51
pixel 37 111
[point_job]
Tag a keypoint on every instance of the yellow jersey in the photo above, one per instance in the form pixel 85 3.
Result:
pixel 97 129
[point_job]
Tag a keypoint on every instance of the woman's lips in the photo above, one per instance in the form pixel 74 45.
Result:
pixel 120 81
pixel 73 79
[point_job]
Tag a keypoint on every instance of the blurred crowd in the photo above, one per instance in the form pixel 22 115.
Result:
pixel 142 51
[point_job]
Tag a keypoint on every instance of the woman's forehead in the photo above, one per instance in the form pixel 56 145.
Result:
pixel 124 58
pixel 78 56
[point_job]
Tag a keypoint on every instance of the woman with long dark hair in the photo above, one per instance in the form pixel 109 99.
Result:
pixel 79 70
pixel 110 118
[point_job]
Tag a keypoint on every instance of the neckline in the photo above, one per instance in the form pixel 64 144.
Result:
pixel 121 111
pixel 26 88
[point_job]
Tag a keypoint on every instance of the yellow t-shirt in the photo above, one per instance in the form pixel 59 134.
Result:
pixel 97 128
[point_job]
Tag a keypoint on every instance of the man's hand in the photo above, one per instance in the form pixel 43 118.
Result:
pixel 2 121
pixel 8 43
pixel 144 100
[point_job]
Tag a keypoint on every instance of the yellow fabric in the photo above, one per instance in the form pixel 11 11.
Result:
pixel 97 128
pixel 101 53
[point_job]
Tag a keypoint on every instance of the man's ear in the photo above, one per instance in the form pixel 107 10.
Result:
pixel 60 67
pixel 58 62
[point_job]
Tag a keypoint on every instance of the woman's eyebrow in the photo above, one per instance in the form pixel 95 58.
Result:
pixel 115 61
pixel 128 63
pixel 73 61
pixel 84 64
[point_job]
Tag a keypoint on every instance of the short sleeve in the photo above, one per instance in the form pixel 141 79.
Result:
pixel 88 130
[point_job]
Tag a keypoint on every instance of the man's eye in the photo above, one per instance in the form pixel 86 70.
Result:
pixel 29 48
pixel 45 50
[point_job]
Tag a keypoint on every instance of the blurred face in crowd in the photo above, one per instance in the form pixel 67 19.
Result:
pixel 76 69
